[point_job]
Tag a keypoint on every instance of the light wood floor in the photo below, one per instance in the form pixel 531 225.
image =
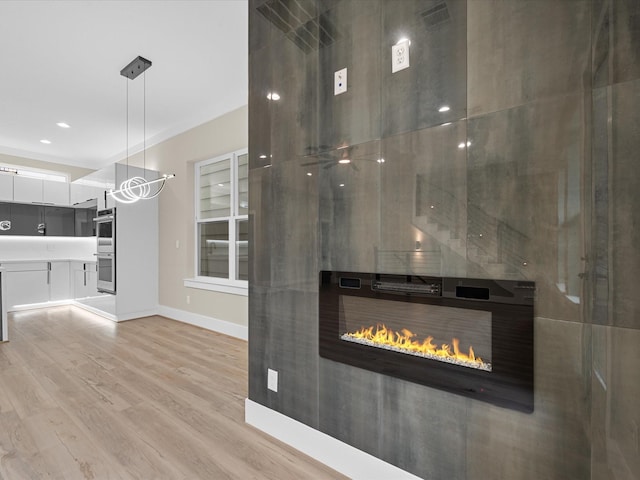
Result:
pixel 84 398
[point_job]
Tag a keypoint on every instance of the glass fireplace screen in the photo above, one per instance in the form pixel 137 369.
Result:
pixel 446 334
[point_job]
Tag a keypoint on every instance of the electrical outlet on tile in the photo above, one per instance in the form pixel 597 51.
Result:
pixel 400 55
pixel 272 380
pixel 340 81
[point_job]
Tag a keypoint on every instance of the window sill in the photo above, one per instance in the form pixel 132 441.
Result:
pixel 218 285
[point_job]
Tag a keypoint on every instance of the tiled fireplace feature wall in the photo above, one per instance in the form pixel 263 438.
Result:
pixel 531 174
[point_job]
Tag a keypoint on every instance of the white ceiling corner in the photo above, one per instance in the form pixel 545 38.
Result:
pixel 61 61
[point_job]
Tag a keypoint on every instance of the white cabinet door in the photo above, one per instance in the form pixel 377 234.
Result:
pixel 26 287
pixel 6 187
pixel 80 193
pixel 55 192
pixel 85 279
pixel 27 190
pixel 92 279
pixel 79 284
pixel 59 284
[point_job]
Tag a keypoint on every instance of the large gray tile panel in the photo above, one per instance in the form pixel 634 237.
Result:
pixel 352 117
pixel 260 28
pixel 423 207
pixel 350 405
pixel 616 41
pixel 523 51
pixel 349 208
pixel 437 75
pixel 424 430
pixel 261 232
pixel 259 327
pixel 553 442
pixel 525 211
pixel 294 120
pixel 600 213
pixel 626 46
pixel 624 198
pixel 599 386
pixel 292 216
pixel 292 350
pixel 616 410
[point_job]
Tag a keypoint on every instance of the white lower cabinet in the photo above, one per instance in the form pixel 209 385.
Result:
pixel 85 279
pixel 59 285
pixel 26 283
pixel 40 282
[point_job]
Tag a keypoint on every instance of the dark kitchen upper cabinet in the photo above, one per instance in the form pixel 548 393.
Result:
pixel 59 221
pixel 36 220
pixel 27 219
pixel 5 219
pixel 85 225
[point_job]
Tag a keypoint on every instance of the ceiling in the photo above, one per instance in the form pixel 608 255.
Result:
pixel 60 61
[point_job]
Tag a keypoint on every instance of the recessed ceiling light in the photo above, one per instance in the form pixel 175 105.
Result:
pixel 444 108
pixel 63 125
pixel 45 141
pixel 273 96
pixel 309 174
pixel 461 145
pixel 263 156
pixel 344 160
pixel 342 184
pixel 220 185
pixel 380 160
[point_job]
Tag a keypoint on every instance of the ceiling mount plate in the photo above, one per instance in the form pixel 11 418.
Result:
pixel 135 68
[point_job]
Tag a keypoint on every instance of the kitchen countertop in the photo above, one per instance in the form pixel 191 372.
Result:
pixel 37 260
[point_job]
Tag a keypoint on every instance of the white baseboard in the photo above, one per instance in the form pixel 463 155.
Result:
pixel 338 455
pixel 96 311
pixel 209 323
pixel 133 315
pixel 35 306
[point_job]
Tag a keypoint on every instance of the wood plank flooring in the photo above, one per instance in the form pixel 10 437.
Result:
pixel 82 397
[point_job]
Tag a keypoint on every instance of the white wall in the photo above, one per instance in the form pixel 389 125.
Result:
pixel 73 172
pixel 176 218
pixel 136 251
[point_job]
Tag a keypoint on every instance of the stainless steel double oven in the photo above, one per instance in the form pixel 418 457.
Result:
pixel 106 251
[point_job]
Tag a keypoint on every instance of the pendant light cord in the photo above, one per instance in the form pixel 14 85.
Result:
pixel 144 125
pixel 127 80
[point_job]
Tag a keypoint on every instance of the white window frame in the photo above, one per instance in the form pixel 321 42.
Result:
pixel 219 284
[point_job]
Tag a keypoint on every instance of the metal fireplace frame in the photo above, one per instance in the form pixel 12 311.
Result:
pixel 510 302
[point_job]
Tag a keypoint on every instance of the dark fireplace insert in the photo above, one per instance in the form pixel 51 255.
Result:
pixel 473 337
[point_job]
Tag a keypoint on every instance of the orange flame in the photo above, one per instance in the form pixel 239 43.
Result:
pixel 405 341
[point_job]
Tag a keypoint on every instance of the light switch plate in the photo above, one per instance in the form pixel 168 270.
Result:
pixel 340 81
pixel 400 56
pixel 272 380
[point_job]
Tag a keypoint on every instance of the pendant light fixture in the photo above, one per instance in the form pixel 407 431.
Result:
pixel 138 188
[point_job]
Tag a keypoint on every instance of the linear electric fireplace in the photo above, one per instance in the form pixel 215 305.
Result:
pixel 473 337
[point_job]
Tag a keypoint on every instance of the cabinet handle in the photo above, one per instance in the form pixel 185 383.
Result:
pixel 85 278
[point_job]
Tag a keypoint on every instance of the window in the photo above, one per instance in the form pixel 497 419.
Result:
pixel 222 225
